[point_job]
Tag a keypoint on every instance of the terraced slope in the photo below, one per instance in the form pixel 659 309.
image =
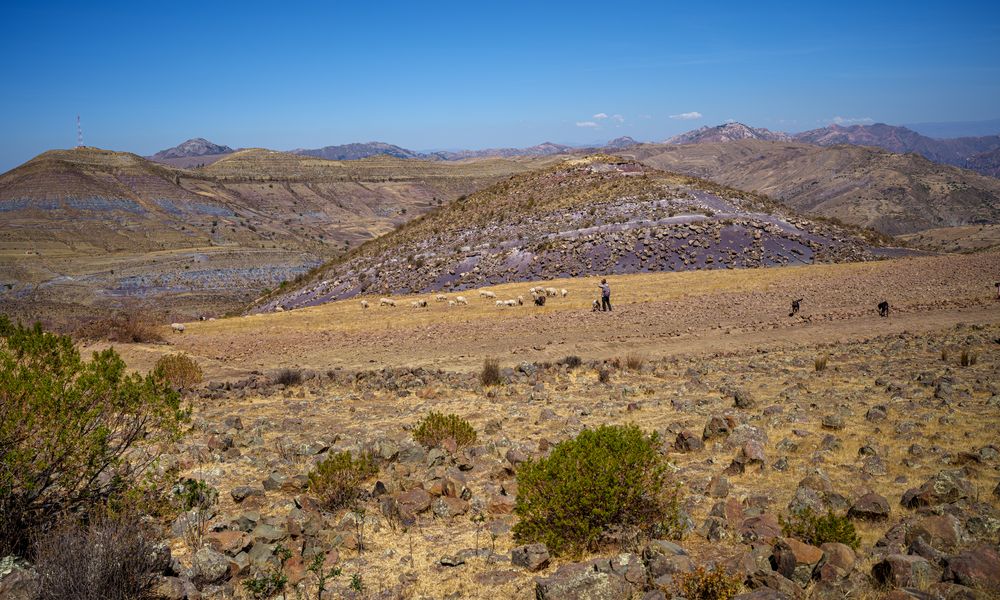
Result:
pixel 593 215
pixel 93 228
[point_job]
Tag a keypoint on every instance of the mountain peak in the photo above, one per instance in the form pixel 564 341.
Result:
pixel 728 132
pixel 192 148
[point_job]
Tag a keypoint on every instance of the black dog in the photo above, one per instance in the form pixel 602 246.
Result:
pixel 883 308
pixel 795 307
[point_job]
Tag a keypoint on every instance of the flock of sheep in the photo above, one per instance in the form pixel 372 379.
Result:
pixel 538 295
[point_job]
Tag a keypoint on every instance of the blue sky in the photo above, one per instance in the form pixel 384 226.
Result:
pixel 145 76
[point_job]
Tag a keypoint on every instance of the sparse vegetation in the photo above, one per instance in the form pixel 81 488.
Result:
pixel 270 583
pixel 109 557
pixel 337 479
pixel 815 529
pixel 490 374
pixel 435 428
pixel 288 377
pixel 634 361
pixel 572 361
pixel 608 478
pixel 124 328
pixel 179 370
pixel 967 358
pixel 70 430
pixel 820 363
pixel 604 375
pixel 702 584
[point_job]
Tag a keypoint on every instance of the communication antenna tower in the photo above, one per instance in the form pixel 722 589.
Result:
pixel 79 133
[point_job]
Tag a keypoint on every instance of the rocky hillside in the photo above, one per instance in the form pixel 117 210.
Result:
pixel 89 224
pixel 728 132
pixel 593 215
pixel 195 152
pixel 959 152
pixel 358 151
pixel 893 193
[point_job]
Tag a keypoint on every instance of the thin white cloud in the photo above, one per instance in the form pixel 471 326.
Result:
pixel 600 116
pixel 618 118
pixel 586 124
pixel 688 116
pixel 852 120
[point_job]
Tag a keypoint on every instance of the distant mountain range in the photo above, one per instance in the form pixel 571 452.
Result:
pixel 979 154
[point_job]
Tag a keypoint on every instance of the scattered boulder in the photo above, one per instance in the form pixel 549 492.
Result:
pixel 688 442
pixel 902 570
pixel 941 532
pixel 870 507
pixel 209 566
pixel 944 488
pixel 598 579
pixel 977 567
pixel 795 560
pixel 532 557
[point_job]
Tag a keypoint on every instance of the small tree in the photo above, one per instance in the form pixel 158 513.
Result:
pixel 337 479
pixel 73 433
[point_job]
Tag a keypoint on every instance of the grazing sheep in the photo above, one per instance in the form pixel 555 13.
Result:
pixel 499 302
pixel 564 292
pixel 520 300
pixel 551 291
pixel 364 304
pixel 595 306
pixel 418 303
pixel 177 327
pixel 533 290
pixel 539 300
pixel 451 303
pixel 461 300
pixel 386 302
pixel 440 298
pixel 510 302
pixel 487 294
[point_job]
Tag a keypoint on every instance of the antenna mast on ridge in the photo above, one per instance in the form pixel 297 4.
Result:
pixel 79 133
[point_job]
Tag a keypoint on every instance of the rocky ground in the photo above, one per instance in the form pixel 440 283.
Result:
pixel 894 431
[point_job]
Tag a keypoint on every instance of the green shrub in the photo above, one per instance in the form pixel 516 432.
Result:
pixel 610 477
pixel 490 375
pixel 73 433
pixel 816 529
pixel 179 370
pixel 337 479
pixel 702 584
pixel 269 584
pixel 437 427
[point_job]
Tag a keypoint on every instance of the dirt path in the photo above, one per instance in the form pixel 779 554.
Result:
pixel 659 314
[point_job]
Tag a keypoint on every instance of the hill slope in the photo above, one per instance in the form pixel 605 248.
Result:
pixel 88 226
pixel 728 132
pixel 357 151
pixel 893 193
pixel 592 215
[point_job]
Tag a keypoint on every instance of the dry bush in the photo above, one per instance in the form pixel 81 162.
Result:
pixel 702 584
pixel 604 375
pixel 490 375
pixel 634 361
pixel 179 370
pixel 124 328
pixel 288 377
pixel 572 361
pixel 967 358
pixel 336 480
pixel 113 557
pixel 436 428
pixel 820 363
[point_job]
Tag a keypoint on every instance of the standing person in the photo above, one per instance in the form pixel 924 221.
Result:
pixel 605 295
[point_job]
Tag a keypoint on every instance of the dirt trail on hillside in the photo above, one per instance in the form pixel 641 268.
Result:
pixel 659 315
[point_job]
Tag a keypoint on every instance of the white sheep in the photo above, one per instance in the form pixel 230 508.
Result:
pixel 177 327
pixel 386 302
pixel 532 290
pixel 551 291
pixel 461 300
pixel 499 302
pixel 564 292
pixel 487 294
pixel 440 298
pixel 364 304
pixel 451 303
pixel 520 300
